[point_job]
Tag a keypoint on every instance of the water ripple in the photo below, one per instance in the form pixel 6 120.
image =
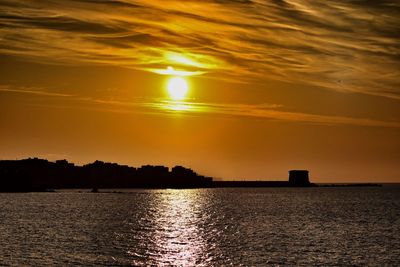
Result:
pixel 204 227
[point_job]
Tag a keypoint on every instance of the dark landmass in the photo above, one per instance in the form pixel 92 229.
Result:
pixel 35 174
pixel 41 175
pixel 350 185
pixel 252 184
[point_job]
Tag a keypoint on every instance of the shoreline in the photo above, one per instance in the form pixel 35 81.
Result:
pixel 220 184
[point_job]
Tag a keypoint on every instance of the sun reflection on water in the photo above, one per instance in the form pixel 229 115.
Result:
pixel 177 237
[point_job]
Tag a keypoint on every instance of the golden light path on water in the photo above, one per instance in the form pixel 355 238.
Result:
pixel 177 233
pixel 178 236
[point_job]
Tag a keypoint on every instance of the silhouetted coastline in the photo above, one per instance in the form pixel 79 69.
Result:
pixel 35 174
pixel 350 185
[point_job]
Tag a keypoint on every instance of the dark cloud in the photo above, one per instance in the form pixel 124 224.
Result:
pixel 127 41
pixel 110 3
pixel 58 23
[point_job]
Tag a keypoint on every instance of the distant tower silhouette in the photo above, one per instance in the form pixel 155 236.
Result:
pixel 299 178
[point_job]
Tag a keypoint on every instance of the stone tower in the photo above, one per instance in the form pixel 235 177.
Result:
pixel 299 178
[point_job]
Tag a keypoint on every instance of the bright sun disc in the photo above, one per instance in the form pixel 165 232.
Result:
pixel 177 88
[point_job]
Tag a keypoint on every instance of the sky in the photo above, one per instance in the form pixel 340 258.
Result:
pixel 272 85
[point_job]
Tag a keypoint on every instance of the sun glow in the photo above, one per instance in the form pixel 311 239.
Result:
pixel 172 71
pixel 177 88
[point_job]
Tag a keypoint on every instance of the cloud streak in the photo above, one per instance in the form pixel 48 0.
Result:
pixel 271 112
pixel 343 45
pixel 32 91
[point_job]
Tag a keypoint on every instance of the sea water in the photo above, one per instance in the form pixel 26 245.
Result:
pixel 202 227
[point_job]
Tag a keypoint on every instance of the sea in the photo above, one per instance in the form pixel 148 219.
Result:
pixel 346 226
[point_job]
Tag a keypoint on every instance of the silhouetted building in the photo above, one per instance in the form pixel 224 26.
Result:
pixel 299 178
pixel 35 174
pixel 180 171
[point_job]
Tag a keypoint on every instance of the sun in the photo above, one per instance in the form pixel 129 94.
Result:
pixel 177 88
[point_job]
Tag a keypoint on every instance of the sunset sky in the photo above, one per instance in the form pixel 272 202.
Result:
pixel 271 85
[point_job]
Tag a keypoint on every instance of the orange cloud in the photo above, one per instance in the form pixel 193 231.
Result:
pixel 349 46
